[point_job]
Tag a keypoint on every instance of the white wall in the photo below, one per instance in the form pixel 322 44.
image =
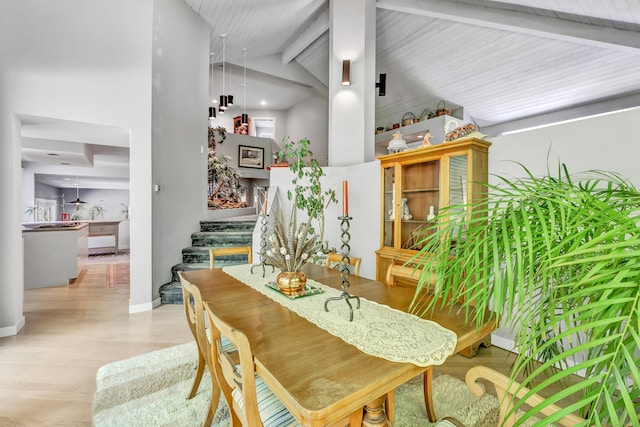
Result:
pixel 364 208
pixel 80 60
pixel 603 142
pixel 180 86
pixel 309 119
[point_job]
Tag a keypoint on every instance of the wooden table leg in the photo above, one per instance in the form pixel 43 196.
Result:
pixel 428 394
pixel 374 415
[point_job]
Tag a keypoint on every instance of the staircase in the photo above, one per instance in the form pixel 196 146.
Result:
pixel 212 234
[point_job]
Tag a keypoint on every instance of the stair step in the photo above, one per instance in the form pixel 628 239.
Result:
pixel 221 238
pixel 171 293
pixel 227 225
pixel 200 254
pixel 212 234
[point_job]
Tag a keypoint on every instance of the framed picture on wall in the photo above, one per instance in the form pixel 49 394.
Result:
pixel 250 157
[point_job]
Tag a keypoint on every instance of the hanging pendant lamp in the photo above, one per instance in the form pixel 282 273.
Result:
pixel 244 118
pixel 230 97
pixel 212 110
pixel 77 201
pixel 223 98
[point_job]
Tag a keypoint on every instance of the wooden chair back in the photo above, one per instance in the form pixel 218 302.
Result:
pixel 334 260
pixel 235 250
pixel 506 389
pixel 235 379
pixel 194 310
pixel 407 274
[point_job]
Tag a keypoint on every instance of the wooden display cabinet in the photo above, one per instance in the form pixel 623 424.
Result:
pixel 428 178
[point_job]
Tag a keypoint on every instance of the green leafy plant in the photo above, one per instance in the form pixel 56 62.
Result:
pixel 96 210
pixel 558 259
pixel 37 212
pixel 308 194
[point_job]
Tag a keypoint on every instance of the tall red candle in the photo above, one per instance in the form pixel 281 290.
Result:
pixel 345 199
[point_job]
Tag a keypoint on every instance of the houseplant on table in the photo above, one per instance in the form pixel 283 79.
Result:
pixel 308 194
pixel 558 259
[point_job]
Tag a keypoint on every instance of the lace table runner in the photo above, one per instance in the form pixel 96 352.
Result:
pixel 377 330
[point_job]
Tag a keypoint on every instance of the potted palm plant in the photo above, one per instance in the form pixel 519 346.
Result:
pixel 557 258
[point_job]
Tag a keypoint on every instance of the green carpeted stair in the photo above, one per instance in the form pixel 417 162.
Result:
pixel 212 234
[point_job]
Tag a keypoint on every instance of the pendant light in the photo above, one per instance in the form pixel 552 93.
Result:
pixel 230 97
pixel 223 98
pixel 77 201
pixel 245 117
pixel 212 110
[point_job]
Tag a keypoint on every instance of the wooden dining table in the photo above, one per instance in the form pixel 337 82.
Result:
pixel 319 377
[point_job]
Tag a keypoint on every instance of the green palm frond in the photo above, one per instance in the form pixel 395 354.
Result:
pixel 556 258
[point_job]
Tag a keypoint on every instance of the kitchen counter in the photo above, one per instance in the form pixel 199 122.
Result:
pixel 48 226
pixel 54 252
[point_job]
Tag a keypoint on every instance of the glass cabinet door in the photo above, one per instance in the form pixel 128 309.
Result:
pixel 420 199
pixel 458 180
pixel 389 196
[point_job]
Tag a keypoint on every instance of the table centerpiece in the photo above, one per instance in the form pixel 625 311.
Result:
pixel 290 248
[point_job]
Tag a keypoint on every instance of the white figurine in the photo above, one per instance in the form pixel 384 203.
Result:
pixel 426 141
pixel 431 214
pixel 406 215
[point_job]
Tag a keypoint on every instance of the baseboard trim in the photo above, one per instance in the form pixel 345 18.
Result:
pixel 10 331
pixel 503 342
pixel 139 308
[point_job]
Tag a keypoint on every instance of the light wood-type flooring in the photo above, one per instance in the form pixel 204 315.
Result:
pixel 47 371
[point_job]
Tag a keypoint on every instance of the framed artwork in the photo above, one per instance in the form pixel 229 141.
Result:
pixel 250 157
pixel 238 127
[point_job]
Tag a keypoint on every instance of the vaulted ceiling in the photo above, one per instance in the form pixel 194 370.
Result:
pixel 502 61
pixel 509 63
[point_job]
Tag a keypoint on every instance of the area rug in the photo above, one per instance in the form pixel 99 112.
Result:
pixel 118 275
pixel 151 390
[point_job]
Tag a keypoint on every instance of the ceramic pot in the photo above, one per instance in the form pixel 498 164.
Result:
pixel 291 282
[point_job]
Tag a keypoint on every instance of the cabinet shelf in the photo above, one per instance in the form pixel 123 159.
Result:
pixel 421 190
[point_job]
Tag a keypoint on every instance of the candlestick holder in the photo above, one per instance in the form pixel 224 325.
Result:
pixel 344 270
pixel 263 244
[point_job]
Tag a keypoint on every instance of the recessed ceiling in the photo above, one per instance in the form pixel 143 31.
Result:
pixel 63 152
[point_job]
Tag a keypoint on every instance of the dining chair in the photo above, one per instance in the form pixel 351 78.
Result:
pixel 506 389
pixel 406 273
pixel 194 311
pixel 251 401
pixel 235 250
pixel 334 260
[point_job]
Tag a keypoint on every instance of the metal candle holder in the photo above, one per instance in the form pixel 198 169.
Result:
pixel 344 271
pixel 263 244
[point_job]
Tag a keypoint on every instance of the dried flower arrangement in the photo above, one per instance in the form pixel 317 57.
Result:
pixel 291 246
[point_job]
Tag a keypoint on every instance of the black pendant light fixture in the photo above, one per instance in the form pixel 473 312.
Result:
pixel 224 102
pixel 212 110
pixel 244 118
pixel 77 201
pixel 230 97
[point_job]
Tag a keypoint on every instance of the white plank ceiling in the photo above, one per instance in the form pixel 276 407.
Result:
pixel 501 60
